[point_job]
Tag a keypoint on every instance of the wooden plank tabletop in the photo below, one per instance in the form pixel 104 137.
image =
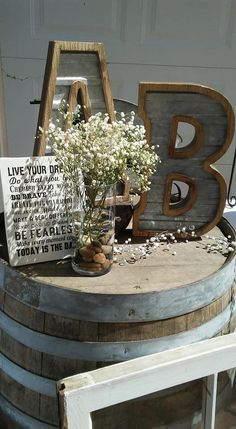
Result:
pixel 161 270
pixel 165 284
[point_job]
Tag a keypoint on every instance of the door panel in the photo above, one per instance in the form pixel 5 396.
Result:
pixel 23 83
pixel 145 40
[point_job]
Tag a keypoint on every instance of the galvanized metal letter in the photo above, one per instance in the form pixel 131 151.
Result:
pixel 162 106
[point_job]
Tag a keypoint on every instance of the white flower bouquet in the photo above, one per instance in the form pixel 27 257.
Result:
pixel 94 156
pixel 104 152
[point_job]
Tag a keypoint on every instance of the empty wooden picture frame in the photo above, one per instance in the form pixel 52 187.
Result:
pixel 77 73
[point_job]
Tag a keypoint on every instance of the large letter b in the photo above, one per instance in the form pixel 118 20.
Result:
pixel 163 107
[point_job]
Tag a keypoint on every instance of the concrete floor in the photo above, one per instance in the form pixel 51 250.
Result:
pixel 226 418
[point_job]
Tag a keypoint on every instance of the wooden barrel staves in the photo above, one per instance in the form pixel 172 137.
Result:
pixel 55 324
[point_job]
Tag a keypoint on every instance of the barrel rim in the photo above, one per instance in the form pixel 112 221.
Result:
pixel 20 418
pixel 109 351
pixel 131 307
pixel 222 224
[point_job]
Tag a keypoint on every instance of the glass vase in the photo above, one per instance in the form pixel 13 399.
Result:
pixel 94 230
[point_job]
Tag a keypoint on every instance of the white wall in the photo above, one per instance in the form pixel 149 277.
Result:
pixel 145 40
pixel 3 131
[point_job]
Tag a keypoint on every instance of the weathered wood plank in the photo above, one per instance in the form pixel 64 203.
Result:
pixel 63 327
pixel 16 389
pixel 54 366
pixel 26 378
pixel 171 225
pixel 112 351
pixel 107 332
pixel 2 297
pixel 21 397
pixel 23 289
pixel 190 107
pixel 18 353
pixel 49 410
pixel 162 328
pixel 24 314
pixel 153 207
pixel 13 418
pixel 195 170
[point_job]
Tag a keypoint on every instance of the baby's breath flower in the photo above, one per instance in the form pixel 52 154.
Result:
pixel 104 152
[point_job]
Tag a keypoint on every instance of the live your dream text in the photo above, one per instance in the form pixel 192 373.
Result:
pixel 37 210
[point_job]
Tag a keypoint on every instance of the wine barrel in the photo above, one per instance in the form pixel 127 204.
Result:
pixel 55 324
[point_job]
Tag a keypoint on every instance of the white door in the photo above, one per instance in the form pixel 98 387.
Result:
pixel 145 40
